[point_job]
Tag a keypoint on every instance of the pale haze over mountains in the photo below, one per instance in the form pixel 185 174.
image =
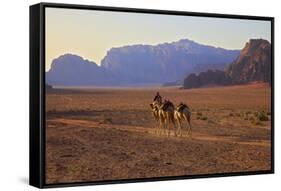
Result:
pixel 140 64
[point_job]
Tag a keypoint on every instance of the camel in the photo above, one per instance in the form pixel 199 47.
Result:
pixel 182 113
pixel 164 114
pixel 155 107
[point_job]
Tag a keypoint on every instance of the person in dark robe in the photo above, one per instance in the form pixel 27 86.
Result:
pixel 158 98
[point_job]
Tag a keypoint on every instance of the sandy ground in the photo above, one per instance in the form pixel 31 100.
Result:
pixel 106 134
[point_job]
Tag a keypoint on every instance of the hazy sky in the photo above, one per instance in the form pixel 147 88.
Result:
pixel 91 34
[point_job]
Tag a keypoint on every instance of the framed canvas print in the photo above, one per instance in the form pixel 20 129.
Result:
pixel 126 95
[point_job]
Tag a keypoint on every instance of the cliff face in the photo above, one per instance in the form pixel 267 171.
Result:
pixel 253 64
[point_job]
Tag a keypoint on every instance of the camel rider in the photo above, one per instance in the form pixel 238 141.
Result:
pixel 158 98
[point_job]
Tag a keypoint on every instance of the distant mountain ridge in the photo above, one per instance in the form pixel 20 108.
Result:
pixel 253 64
pixel 165 62
pixel 140 64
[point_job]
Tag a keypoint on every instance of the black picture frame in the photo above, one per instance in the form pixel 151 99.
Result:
pixel 37 93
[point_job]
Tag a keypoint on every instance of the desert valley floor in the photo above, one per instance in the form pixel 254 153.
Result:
pixel 107 134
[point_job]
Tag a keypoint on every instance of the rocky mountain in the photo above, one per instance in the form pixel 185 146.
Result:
pixel 253 64
pixel 73 70
pixel 140 64
pixel 167 62
pixel 207 79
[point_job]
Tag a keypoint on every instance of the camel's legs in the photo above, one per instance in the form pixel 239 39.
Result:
pixel 179 127
pixel 158 128
pixel 161 127
pixel 167 127
pixel 189 126
pixel 190 129
pixel 165 122
pixel 172 123
pixel 174 126
pixel 185 120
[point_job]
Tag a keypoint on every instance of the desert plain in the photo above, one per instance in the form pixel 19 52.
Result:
pixel 96 134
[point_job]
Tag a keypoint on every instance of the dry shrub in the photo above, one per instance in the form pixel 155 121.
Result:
pixel 199 113
pixel 204 118
pixel 248 112
pixel 262 116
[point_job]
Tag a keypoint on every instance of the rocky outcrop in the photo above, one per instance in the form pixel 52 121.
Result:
pixel 73 70
pixel 252 65
pixel 207 79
